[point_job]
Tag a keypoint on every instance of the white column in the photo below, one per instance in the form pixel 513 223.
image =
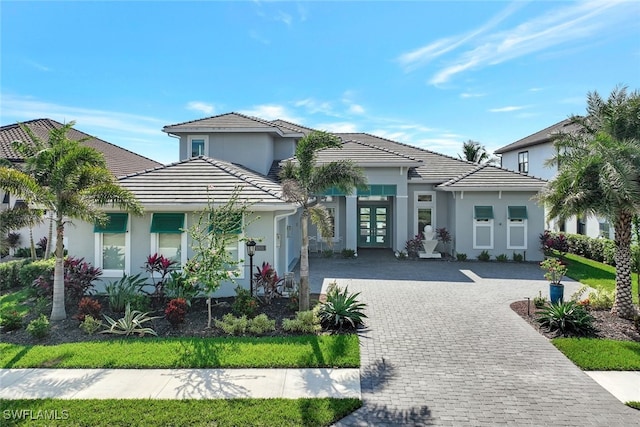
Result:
pixel 401 220
pixel 351 225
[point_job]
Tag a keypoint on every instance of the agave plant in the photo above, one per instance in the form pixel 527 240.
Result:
pixel 341 310
pixel 131 323
pixel 568 318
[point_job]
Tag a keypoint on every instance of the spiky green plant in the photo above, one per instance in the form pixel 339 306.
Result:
pixel 130 323
pixel 342 310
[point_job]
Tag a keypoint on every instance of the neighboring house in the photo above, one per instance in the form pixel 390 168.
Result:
pixel 119 160
pixel 528 155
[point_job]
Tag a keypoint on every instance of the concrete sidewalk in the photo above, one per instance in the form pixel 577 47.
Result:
pixel 178 383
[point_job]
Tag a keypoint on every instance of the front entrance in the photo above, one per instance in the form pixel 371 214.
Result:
pixel 373 221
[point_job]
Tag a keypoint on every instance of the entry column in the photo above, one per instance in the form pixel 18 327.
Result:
pixel 351 241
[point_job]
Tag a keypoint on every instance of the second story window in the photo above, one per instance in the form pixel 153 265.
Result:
pixel 523 162
pixel 198 145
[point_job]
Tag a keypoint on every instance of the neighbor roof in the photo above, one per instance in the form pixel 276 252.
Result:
pixel 119 160
pixel 488 178
pixel 540 137
pixel 233 122
pixel 195 180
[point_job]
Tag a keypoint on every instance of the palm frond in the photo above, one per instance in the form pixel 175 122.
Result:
pixel 319 216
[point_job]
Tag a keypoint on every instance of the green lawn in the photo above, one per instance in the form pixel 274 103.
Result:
pixel 593 354
pixel 236 412
pixel 15 301
pixel 306 351
pixel 596 274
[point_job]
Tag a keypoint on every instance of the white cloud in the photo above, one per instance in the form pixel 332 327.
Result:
pixel 340 127
pixel 570 23
pixel 37 65
pixel 259 37
pixel 271 112
pixel 284 17
pixel 356 109
pixel 506 109
pixel 200 106
pixel 466 95
pixel 313 106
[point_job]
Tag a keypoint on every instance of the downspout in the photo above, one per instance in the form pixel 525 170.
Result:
pixel 277 218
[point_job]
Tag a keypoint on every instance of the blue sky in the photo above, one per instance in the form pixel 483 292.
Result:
pixel 431 74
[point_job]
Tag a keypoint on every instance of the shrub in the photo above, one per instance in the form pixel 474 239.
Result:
pixel 10 274
pixel 122 291
pixel 79 276
pixel 539 301
pixel 178 285
pixel 10 320
pixel 550 241
pixel 162 266
pixel 327 253
pixel 518 257
pixel 140 302
pixel 567 318
pixel 176 311
pixel 305 322
pixel 554 270
pixel 348 253
pixel 414 245
pixel 341 310
pixel 130 323
pixel 601 299
pixel 232 325
pixel 461 257
pixel 30 271
pixel 401 255
pixel 484 256
pixel 244 304
pixel 502 258
pixel 90 325
pixel 261 324
pixel 88 307
pixel 39 327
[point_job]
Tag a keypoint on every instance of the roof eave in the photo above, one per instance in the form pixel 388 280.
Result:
pixel 503 189
pixel 208 129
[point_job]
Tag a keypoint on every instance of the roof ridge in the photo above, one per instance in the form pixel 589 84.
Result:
pixel 366 144
pixel 245 116
pixel 484 166
pixel 292 126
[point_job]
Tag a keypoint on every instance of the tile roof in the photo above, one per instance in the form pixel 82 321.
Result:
pixel 491 178
pixel 540 137
pixel 192 181
pixel 366 155
pixel 232 122
pixel 119 160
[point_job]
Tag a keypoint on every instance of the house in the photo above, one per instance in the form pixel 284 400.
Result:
pixel 528 155
pixel 119 160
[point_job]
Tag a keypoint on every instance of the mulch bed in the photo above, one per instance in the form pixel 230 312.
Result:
pixel 607 325
pixel 195 324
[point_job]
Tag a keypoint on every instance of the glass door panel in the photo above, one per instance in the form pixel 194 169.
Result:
pixel 373 226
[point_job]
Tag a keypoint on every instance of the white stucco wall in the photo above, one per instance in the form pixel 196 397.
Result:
pixel 538 155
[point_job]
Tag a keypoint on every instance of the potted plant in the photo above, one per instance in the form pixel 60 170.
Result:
pixel 554 272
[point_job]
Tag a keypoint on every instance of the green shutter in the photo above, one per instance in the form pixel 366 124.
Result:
pixel 116 223
pixel 517 212
pixel 233 225
pixel 167 223
pixel 483 212
pixel 378 190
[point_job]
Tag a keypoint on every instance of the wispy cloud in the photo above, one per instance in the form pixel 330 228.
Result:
pixel 284 17
pixel 352 106
pixel 259 37
pixel 37 65
pixel 202 107
pixel 345 127
pixel 272 112
pixel 507 109
pixel 313 106
pixel 569 23
pixel 466 95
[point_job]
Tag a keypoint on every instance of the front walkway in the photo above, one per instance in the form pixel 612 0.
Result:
pixel 443 347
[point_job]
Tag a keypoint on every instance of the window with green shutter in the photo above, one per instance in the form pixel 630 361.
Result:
pixel 167 223
pixel 229 224
pixel 483 212
pixel 116 223
pixel 517 212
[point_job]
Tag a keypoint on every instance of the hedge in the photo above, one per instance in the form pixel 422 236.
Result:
pixel 597 249
pixel 10 273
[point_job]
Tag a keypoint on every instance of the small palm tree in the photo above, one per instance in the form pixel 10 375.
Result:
pixel 303 180
pixel 72 181
pixel 599 173
pixel 473 151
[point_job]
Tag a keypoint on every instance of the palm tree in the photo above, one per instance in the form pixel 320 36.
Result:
pixel 473 151
pixel 303 180
pixel 72 181
pixel 599 173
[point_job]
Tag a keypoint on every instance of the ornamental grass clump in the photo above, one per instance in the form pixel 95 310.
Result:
pixel 567 318
pixel 342 310
pixel 130 323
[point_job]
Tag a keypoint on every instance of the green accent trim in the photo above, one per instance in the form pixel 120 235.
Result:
pixel 116 223
pixel 333 191
pixel 233 225
pixel 379 190
pixel 167 223
pixel 517 212
pixel 483 212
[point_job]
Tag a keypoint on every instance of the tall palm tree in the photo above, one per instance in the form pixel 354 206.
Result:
pixel 73 181
pixel 599 173
pixel 303 180
pixel 475 152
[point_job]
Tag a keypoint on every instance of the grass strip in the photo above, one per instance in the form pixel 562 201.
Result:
pixel 307 351
pixel 592 354
pixel 634 405
pixel 15 301
pixel 596 274
pixel 235 412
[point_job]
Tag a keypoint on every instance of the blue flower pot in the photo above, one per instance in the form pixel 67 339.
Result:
pixel 556 293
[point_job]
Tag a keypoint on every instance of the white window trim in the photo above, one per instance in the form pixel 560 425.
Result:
pixel 480 223
pixel 197 137
pixel 515 223
pixel 183 242
pixel 336 222
pixel 241 250
pixel 418 205
pixel 98 239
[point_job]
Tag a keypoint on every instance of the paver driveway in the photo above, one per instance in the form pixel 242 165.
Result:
pixel 444 348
